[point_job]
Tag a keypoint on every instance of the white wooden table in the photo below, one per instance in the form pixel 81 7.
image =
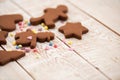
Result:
pixel 95 57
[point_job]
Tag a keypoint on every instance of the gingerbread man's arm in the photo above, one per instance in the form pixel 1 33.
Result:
pixel 48 9
pixel 17 17
pixel 61 29
pixel 4 33
pixel 36 21
pixel 17 35
pixel 50 36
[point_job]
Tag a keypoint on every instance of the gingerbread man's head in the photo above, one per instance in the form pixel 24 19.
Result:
pixel 63 8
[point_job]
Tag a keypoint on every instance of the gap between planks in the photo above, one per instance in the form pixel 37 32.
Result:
pixel 87 61
pixel 67 44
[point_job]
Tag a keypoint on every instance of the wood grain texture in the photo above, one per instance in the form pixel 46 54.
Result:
pixel 55 64
pixel 59 64
pixel 12 71
pixel 107 11
pixel 100 46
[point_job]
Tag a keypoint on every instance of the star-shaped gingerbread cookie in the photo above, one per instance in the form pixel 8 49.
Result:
pixel 73 30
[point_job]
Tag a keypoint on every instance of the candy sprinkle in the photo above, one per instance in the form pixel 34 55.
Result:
pixel 34 31
pixel 17 47
pixel 42 24
pixel 20 23
pixel 14 43
pixel 27 50
pixel 29 24
pixel 55 46
pixel 37 56
pixel 29 37
pixel 70 49
pixel 46 48
pixel 64 40
pixel 40 29
pixel 35 50
pixel 20 46
pixel 11 34
pixel 46 27
pixel 70 42
pixel 50 43
pixel 26 21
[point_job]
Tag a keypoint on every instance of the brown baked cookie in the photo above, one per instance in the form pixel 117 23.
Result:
pixel 73 30
pixel 3 35
pixel 7 22
pixel 51 16
pixel 7 56
pixel 27 38
pixel 45 36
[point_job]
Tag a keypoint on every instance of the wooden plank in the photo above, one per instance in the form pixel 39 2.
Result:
pixel 105 11
pixel 98 46
pixel 12 71
pixel 57 63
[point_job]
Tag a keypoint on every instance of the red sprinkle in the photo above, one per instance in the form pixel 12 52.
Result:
pixel 20 23
pixel 55 46
pixel 35 50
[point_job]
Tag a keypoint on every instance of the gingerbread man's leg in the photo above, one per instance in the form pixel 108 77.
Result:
pixel 61 29
pixel 33 42
pixel 63 16
pixel 36 21
pixel 48 38
pixel 49 23
pixel 51 36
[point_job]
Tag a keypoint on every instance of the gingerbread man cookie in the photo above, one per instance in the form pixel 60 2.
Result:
pixel 27 38
pixel 51 16
pixel 7 22
pixel 73 30
pixel 45 36
pixel 7 56
pixel 3 35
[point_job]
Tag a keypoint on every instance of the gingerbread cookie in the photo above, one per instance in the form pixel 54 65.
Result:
pixel 51 16
pixel 27 38
pixel 3 35
pixel 7 22
pixel 7 56
pixel 45 36
pixel 73 30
